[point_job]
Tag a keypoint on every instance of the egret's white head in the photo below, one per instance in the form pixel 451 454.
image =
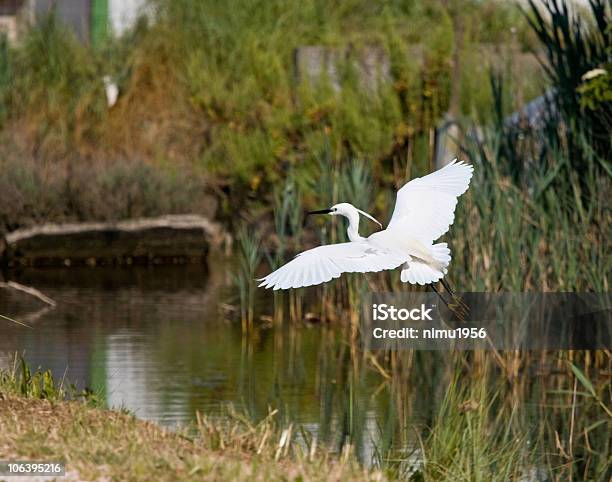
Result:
pixel 347 210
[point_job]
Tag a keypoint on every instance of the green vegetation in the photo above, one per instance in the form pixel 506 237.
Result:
pixel 540 189
pixel 572 51
pixel 249 259
pixel 487 430
pixel 21 381
pixel 209 94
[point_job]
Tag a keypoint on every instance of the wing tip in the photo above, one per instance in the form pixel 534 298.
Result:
pixel 265 282
pixel 467 168
pixel 457 162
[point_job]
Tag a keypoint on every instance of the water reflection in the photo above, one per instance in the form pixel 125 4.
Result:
pixel 156 342
pixel 128 333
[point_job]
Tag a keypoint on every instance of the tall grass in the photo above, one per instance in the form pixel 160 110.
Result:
pixel 34 192
pixel 474 437
pixel 248 259
pixel 544 235
pixel 444 415
pixel 536 430
pixel 536 218
pixel 288 224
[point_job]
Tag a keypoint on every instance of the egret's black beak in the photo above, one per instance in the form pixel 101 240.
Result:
pixel 321 211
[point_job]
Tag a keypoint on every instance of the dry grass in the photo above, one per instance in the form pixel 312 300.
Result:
pixel 98 444
pixel 35 191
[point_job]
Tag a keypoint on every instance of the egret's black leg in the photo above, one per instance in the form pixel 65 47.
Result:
pixel 447 287
pixel 457 301
pixel 433 287
pixel 453 307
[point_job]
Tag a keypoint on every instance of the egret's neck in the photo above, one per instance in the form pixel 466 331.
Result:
pixel 353 227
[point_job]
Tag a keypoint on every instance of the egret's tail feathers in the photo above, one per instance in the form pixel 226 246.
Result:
pixel 421 272
pixel 441 254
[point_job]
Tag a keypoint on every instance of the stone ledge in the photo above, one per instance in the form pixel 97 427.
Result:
pixel 173 239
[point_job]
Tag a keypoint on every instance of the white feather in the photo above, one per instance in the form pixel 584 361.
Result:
pixel 425 207
pixel 324 263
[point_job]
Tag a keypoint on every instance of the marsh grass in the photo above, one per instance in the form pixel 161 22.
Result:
pixel 473 439
pixel 288 223
pixel 574 45
pixel 539 427
pixel 454 415
pixel 248 260
pixel 545 235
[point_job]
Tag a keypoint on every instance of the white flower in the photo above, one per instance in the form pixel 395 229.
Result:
pixel 591 74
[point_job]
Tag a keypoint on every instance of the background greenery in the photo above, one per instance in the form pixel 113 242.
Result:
pixel 209 97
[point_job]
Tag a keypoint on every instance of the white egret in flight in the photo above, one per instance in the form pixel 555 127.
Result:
pixel 424 211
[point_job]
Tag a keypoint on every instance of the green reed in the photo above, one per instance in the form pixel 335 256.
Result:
pixel 545 233
pixel 324 184
pixel 288 223
pixel 248 260
pixel 472 439
pixel 543 427
pixel 574 44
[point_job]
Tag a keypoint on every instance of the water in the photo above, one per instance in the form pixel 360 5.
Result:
pixel 164 343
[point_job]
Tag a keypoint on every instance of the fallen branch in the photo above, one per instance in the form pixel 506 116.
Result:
pixel 29 290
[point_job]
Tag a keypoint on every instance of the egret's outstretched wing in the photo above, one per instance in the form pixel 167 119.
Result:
pixel 323 263
pixel 425 206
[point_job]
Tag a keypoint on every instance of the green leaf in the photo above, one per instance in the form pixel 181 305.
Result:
pixel 583 379
pixel 595 425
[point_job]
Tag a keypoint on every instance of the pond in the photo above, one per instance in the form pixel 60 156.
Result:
pixel 166 341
